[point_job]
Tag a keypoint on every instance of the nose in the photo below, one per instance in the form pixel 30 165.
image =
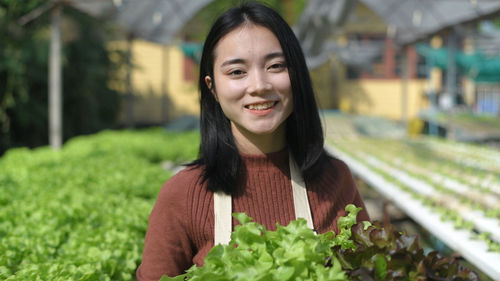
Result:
pixel 258 83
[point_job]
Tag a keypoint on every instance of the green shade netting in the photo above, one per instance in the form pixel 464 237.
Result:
pixel 192 50
pixel 478 66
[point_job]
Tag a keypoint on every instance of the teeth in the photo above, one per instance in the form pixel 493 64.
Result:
pixel 261 106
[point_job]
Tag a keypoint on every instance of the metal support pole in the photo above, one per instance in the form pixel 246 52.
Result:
pixel 335 93
pixel 129 113
pixel 451 73
pixel 404 93
pixel 432 94
pixel 55 81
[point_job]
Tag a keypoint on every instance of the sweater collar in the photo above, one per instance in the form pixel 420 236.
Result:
pixel 277 159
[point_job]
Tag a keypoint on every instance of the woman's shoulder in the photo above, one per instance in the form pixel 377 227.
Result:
pixel 337 166
pixel 187 174
pixel 335 173
pixel 183 182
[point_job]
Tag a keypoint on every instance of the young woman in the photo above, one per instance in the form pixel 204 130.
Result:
pixel 259 121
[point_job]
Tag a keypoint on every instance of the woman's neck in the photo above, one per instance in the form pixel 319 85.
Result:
pixel 249 143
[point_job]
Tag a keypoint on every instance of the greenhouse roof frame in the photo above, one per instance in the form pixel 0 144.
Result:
pixel 157 21
pixel 410 21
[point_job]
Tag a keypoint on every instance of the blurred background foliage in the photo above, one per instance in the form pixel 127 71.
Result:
pixel 89 104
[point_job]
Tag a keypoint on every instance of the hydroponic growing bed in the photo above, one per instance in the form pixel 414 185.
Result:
pixel 451 189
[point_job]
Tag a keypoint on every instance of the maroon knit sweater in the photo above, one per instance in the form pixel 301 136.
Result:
pixel 181 224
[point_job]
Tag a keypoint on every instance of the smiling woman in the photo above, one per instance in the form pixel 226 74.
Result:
pixel 261 149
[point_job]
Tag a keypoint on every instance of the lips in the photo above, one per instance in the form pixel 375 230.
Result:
pixel 261 106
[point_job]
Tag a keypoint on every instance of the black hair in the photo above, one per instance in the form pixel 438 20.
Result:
pixel 219 155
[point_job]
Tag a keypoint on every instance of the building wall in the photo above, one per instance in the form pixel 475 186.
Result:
pixel 382 97
pixel 162 89
pixel 378 91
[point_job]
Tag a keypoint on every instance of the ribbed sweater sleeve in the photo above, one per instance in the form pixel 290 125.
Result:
pixel 181 224
pixel 168 247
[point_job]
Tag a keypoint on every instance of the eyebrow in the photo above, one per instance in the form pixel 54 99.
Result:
pixel 238 60
pixel 274 55
pixel 232 61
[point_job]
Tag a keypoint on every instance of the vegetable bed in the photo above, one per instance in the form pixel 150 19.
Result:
pixel 81 213
pixel 456 182
pixel 467 192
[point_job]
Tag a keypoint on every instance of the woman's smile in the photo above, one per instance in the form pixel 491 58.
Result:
pixel 261 109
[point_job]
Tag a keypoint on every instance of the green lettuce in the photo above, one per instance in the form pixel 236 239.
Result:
pixel 292 252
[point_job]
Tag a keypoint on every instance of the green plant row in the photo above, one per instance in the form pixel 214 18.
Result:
pixel 474 155
pixel 446 158
pixel 81 213
pixel 429 163
pixel 479 198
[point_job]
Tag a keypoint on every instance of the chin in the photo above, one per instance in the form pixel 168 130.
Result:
pixel 260 128
pixel 263 131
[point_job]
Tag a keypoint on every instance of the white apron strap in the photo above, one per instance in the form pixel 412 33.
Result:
pixel 300 200
pixel 223 207
pixel 222 217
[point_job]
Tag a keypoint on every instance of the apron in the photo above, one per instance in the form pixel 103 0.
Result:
pixel 223 206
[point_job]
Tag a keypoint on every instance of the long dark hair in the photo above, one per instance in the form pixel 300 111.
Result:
pixel 218 152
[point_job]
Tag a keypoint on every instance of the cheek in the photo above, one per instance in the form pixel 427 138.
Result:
pixel 229 89
pixel 282 83
pixel 235 88
pixel 284 86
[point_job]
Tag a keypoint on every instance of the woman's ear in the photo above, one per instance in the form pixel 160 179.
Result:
pixel 209 82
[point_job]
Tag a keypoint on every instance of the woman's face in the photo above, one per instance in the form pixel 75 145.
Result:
pixel 252 83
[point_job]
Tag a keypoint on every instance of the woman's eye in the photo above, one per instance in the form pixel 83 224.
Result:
pixel 277 66
pixel 236 72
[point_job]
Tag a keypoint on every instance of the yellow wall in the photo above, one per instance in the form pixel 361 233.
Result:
pixel 150 78
pixel 149 74
pixel 382 97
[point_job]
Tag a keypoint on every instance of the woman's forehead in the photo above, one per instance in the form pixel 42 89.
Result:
pixel 247 41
